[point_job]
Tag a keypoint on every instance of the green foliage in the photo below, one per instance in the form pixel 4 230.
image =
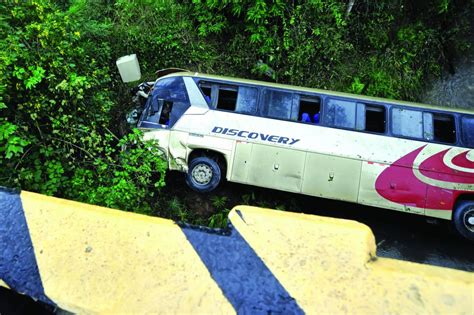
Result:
pixel 11 145
pixel 160 32
pixel 123 178
pixel 357 86
pixel 248 199
pixel 392 47
pixel 177 209
pixel 295 39
pixel 219 220
pixel 56 113
pixel 219 202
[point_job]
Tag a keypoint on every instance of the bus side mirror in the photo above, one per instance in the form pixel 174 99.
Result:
pixel 129 68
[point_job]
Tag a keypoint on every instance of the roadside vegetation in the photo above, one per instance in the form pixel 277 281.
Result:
pixel 62 104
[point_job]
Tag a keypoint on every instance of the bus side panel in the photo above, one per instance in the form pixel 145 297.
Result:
pixel 331 177
pixel 276 167
pixel 178 151
pixel 241 164
pixel 398 191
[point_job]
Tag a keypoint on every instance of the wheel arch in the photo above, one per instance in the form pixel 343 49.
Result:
pixel 464 205
pixel 461 198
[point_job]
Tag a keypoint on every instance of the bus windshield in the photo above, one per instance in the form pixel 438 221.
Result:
pixel 167 103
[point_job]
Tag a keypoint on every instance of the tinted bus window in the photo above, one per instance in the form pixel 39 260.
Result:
pixel 341 113
pixel 444 128
pixel 206 89
pixel 277 104
pixel 407 123
pixel 468 131
pixel 227 98
pixel 241 99
pixel 247 100
pixel 309 108
pixel 375 118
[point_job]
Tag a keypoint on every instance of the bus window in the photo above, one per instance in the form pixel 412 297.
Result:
pixel 468 131
pixel 227 98
pixel 407 122
pixel 277 104
pixel 341 114
pixel 247 100
pixel 206 89
pixel 241 99
pixel 171 89
pixel 309 108
pixel 444 128
pixel 375 118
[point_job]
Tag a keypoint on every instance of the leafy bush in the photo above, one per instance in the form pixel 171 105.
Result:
pixel 54 131
pixel 392 47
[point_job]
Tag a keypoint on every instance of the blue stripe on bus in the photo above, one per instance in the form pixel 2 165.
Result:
pixel 242 276
pixel 18 267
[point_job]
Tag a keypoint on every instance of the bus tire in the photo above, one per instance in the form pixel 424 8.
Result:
pixel 204 174
pixel 463 219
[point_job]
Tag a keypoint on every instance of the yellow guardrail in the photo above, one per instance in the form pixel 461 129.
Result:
pixel 90 259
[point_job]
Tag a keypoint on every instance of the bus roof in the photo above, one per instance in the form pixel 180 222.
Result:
pixel 320 91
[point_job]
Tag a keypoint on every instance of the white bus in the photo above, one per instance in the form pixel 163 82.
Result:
pixel 396 155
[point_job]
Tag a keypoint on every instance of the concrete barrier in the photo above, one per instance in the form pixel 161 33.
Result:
pixel 90 259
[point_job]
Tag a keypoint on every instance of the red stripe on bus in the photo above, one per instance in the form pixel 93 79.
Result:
pixel 399 184
pixel 434 168
pixel 461 160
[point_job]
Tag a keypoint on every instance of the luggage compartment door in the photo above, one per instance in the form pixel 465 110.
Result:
pixel 276 167
pixel 332 177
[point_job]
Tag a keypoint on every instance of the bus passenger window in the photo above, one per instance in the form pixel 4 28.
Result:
pixel 341 114
pixel 227 98
pixel 407 123
pixel 467 128
pixel 241 99
pixel 247 100
pixel 309 109
pixel 206 90
pixel 277 104
pixel 375 118
pixel 444 128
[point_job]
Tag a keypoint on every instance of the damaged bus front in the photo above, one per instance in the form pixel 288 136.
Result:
pixel 159 107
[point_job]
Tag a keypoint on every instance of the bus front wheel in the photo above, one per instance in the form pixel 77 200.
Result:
pixel 463 219
pixel 204 174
